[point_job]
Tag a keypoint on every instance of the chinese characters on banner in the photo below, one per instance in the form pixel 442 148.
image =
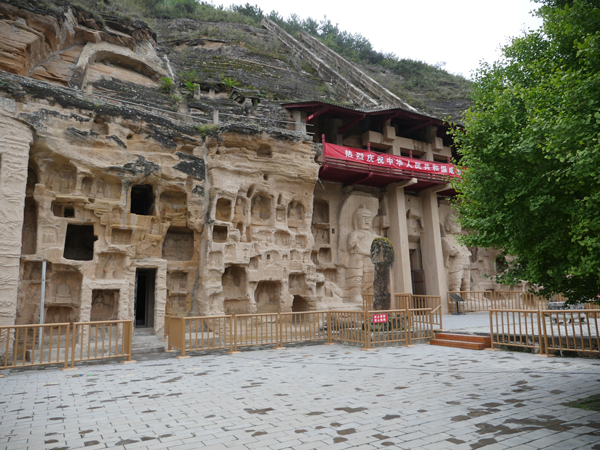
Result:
pixel 380 318
pixel 391 161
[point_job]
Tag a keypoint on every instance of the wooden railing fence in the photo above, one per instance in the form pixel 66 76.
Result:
pixel 411 301
pixel 365 328
pixel 64 343
pixel 546 331
pixel 487 300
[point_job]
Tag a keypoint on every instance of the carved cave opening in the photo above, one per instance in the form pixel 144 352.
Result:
pixel 62 210
pixel 29 233
pixel 234 282
pixel 300 304
pixel 220 233
pixel 60 314
pixel 223 211
pixel 145 283
pixel 79 242
pixel 267 297
pixel 142 200
pixel 320 211
pixel 325 255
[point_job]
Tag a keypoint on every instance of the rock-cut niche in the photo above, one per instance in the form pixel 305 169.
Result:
pixel 267 297
pixel 105 304
pixel 234 282
pixel 29 236
pixel 30 222
pixel 223 210
pixel 178 245
pixel 79 242
pixel 142 200
pixel 261 209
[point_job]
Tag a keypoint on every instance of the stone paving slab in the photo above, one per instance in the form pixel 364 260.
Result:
pixel 307 397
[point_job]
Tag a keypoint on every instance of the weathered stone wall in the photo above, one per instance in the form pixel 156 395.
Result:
pixel 108 195
pixel 259 240
pixel 15 139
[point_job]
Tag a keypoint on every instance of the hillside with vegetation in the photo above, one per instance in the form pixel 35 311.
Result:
pixel 184 26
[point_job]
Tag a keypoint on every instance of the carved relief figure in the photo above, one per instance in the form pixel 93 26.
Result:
pixel 104 305
pixel 295 215
pixel 414 221
pixel 239 216
pixel 261 211
pixel 334 292
pixel 63 293
pixel 267 297
pixel 359 271
pixel 456 257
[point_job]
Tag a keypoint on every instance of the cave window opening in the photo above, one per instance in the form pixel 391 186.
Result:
pixel 69 211
pixel 300 304
pixel 79 242
pixel 142 200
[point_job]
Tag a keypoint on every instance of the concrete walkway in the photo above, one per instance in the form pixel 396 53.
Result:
pixel 307 397
pixel 473 322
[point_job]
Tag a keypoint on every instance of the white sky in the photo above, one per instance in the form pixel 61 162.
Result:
pixel 458 32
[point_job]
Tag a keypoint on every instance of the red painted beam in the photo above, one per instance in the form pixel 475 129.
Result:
pixel 346 127
pixel 318 113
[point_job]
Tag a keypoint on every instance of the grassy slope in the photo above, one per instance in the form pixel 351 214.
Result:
pixel 428 88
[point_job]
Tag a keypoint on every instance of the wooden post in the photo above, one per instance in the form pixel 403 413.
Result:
pixel 233 328
pixel 492 327
pixel 182 339
pixel 368 330
pixel 408 327
pixel 279 333
pixel 67 345
pixel 73 343
pixel 329 334
pixel 128 340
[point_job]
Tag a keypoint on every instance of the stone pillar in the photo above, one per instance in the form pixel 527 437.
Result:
pixel 299 121
pixel 431 246
pixel 398 235
pixel 334 126
pixel 382 257
pixel 15 140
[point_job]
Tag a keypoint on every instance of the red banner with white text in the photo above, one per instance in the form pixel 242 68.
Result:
pixel 390 161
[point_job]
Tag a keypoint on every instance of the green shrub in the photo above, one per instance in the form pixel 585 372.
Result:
pixel 166 85
pixel 229 83
pixel 206 129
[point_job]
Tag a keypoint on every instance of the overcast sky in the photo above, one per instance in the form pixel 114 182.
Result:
pixel 460 32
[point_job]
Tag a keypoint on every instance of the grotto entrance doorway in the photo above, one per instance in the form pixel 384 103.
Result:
pixel 145 281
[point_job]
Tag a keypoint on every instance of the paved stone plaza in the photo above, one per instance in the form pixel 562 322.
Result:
pixel 306 397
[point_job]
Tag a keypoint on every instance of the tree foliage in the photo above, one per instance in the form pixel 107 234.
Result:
pixel 531 149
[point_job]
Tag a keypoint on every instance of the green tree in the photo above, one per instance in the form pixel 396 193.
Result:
pixel 531 149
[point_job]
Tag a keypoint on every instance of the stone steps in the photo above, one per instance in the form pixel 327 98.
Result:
pixel 467 341
pixel 145 341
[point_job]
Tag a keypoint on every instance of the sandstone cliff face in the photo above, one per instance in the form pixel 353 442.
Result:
pixel 184 200
pixel 105 196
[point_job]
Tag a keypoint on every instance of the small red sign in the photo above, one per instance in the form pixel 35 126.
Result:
pixel 380 318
